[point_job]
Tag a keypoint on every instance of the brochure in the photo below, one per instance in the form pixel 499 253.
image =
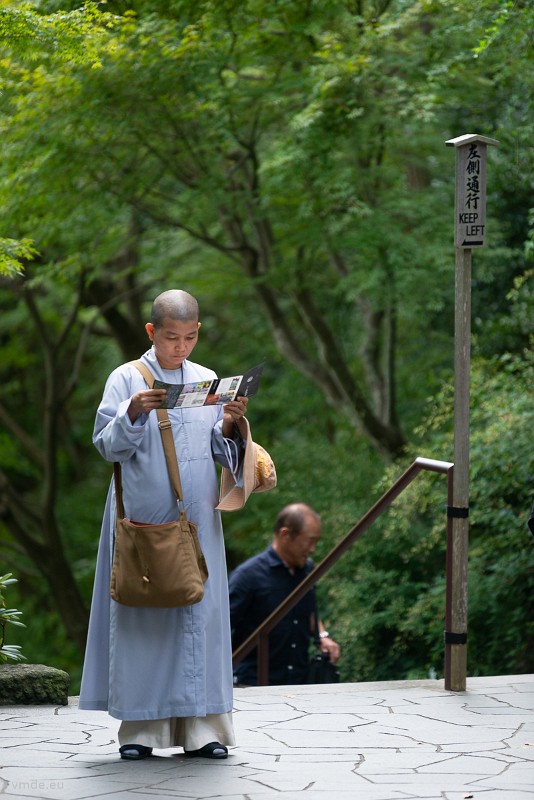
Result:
pixel 209 393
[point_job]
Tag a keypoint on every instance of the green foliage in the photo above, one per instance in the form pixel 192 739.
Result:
pixel 13 254
pixel 308 171
pixel 8 616
pixel 389 593
pixel 45 640
pixel 75 36
pixel 284 162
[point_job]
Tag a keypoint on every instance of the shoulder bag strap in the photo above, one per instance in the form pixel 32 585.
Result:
pixel 119 505
pixel 165 429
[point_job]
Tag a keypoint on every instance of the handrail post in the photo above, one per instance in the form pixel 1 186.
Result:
pixel 456 634
pixel 263 659
pixel 469 232
pixel 449 581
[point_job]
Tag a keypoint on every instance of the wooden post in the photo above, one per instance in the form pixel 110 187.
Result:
pixel 470 228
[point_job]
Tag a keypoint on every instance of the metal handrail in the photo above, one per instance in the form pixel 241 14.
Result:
pixel 260 637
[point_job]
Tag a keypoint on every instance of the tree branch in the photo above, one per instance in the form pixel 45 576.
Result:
pixel 15 508
pixel 72 317
pixel 20 434
pixel 387 439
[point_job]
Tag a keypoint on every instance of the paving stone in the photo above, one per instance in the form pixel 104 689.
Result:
pixel 392 741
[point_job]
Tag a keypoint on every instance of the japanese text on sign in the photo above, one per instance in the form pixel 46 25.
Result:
pixel 471 195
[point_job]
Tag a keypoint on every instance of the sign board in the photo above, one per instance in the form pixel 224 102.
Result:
pixel 470 205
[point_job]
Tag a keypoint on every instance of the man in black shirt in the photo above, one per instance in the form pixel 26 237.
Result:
pixel 259 585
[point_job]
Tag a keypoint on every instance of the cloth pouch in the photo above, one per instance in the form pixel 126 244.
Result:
pixel 157 566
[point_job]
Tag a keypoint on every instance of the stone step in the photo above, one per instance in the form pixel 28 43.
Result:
pixel 33 684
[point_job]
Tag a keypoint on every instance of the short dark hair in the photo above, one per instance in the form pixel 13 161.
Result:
pixel 174 304
pixel 294 517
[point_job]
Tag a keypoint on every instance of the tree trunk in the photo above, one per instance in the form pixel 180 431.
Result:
pixel 67 597
pixel 37 538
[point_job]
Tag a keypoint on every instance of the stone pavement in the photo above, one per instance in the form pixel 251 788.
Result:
pixel 374 741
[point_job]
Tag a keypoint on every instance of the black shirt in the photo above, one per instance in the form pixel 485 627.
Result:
pixel 257 587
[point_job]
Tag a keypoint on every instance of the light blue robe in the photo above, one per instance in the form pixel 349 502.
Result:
pixel 142 663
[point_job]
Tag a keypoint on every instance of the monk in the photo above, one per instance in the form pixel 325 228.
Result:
pixel 166 673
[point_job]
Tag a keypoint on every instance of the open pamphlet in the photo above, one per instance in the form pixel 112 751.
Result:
pixel 209 393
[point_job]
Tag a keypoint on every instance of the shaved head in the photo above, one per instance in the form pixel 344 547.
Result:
pixel 174 304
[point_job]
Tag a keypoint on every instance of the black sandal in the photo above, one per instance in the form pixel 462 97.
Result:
pixel 211 750
pixel 135 752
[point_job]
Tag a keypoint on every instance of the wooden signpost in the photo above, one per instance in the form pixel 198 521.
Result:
pixel 470 230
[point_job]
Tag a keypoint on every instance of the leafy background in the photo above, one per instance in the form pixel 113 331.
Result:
pixel 284 162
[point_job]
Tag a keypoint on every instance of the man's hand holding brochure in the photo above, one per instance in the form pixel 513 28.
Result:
pixel 215 392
